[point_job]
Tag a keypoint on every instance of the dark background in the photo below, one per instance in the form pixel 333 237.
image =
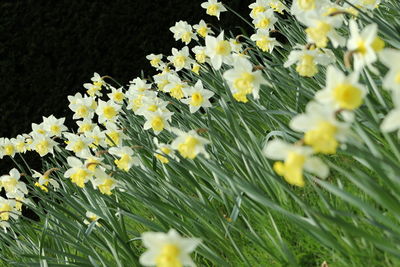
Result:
pixel 48 49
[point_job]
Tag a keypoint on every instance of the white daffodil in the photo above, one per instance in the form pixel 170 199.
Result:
pixel 152 104
pixel 97 137
pixel 213 8
pixel 38 129
pixel 323 132
pixel 126 159
pixel 13 186
pixel 258 7
pixel 107 111
pixel 189 144
pixel 198 97
pixel 265 20
pixel 202 29
pixel 295 159
pixel 73 99
pixel 307 59
pixel 20 144
pixel 43 144
pixel 85 125
pixel 116 95
pixel 175 87
pixel 103 182
pixel 196 68
pixel 180 58
pixel 392 120
pixel 44 180
pixel 155 60
pixel 236 46
pixel 391 58
pixel 114 134
pixel 200 54
pixel 163 150
pixel 242 80
pixel 301 9
pixel 277 6
pixel 264 41
pixel 7 210
pixel 91 217
pixel 161 80
pixel 138 86
pixel 136 100
pixel 167 249
pixel 78 172
pixel 94 88
pixel 54 126
pixel 93 162
pixel 79 144
pixel 341 92
pixel 364 45
pixel 157 120
pixel 7 147
pixel 322 25
pixel 183 31
pixel 83 108
pixel 218 50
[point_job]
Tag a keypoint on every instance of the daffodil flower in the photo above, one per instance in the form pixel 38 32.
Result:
pixel 323 132
pixel 264 41
pixel 107 111
pixel 7 210
pixel 162 150
pixel 202 29
pixel 94 88
pixel 116 95
pixel 189 144
pixel 258 7
pixel 265 20
pixel 79 144
pixel 43 144
pixel 243 81
pixel 13 186
pixel 155 60
pixel 293 159
pixel 391 58
pixel 103 182
pixel 114 134
pixel 218 50
pixel 54 126
pixel 213 8
pixel 341 92
pixel 176 87
pixel 183 31
pixel 364 45
pixel 167 249
pixel 198 97
pixel 180 58
pixel 126 159
pixel 158 120
pixel 78 172
pixel 307 59
pixel 43 181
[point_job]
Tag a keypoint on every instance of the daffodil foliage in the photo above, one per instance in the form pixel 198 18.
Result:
pixel 275 147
